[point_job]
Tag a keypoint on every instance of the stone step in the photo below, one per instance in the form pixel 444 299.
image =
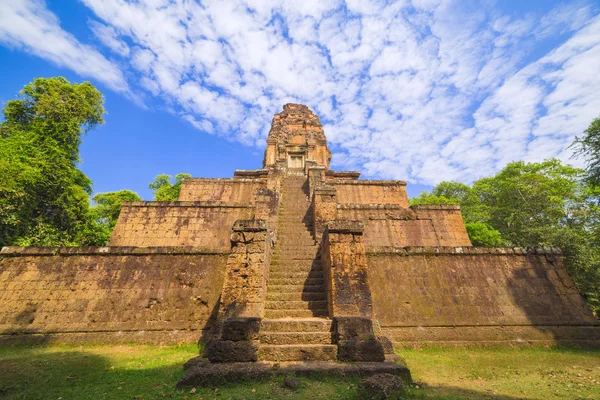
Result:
pixel 291 258
pixel 295 338
pixel 297 325
pixel 298 249
pixel 281 254
pixel 295 288
pixel 298 352
pixel 296 212
pixel 304 242
pixel 276 314
pixel 297 296
pixel 295 266
pixel 296 281
pixel 282 274
pixel 300 243
pixel 296 305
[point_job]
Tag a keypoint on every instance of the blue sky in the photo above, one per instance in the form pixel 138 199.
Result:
pixel 420 90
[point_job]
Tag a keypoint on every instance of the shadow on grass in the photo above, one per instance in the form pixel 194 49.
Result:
pixel 36 372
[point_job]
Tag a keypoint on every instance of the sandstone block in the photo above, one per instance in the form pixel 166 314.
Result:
pixel 241 329
pixel 353 328
pixel 361 350
pixel 231 351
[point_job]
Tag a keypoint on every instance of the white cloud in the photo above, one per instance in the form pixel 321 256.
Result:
pixel 28 25
pixel 424 90
pixel 109 37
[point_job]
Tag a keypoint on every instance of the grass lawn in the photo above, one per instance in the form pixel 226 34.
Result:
pixel 146 372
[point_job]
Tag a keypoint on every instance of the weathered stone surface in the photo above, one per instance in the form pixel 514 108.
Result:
pixel 345 269
pixel 381 387
pixel 292 383
pixel 360 350
pixel 154 295
pixel 412 267
pixel 353 328
pixel 461 295
pixel 231 351
pixel 238 329
pixel 189 223
pixel 298 352
pixel 209 374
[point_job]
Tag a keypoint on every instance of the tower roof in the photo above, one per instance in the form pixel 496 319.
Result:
pixel 296 132
pixel 296 120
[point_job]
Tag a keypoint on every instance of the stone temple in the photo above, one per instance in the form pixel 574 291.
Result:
pixel 291 262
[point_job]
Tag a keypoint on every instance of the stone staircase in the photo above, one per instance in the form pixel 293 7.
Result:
pixel 296 326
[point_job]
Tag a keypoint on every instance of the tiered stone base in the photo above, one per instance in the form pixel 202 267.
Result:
pixel 203 373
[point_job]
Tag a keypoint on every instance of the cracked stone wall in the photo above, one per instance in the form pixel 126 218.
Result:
pixel 463 295
pixel 182 223
pixel 225 190
pixel 159 295
pixel 396 226
pixel 370 192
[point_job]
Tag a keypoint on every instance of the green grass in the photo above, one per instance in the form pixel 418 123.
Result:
pixel 139 372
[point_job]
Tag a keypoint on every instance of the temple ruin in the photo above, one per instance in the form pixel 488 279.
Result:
pixel 292 262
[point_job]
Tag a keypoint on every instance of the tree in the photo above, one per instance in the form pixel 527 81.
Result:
pixel 108 205
pixel 534 204
pixel 525 200
pixel 44 197
pixel 474 212
pixel 164 190
pixel 588 146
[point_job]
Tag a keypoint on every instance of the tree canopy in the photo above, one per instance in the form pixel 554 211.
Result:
pixel 533 204
pixel 588 146
pixel 164 189
pixel 44 197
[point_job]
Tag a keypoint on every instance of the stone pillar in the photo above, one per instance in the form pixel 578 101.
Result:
pixel 270 152
pixel 316 177
pixel 348 292
pixel 324 205
pixel 266 208
pixel 242 298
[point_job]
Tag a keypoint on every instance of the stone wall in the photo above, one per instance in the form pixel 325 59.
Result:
pixel 108 294
pixel 225 190
pixel 477 295
pixel 370 192
pixel 391 225
pixel 182 223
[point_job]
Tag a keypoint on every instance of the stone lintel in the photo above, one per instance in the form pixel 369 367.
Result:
pixel 325 190
pixel 15 251
pixel 343 174
pixel 239 173
pixel 346 226
pixel 250 225
pixel 317 168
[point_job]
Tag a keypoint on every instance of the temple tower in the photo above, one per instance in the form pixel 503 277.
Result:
pixel 296 139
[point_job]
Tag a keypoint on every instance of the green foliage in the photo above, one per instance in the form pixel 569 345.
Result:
pixel 589 147
pixel 44 198
pixel 534 204
pixel 482 234
pixel 108 205
pixel 526 199
pixel 164 190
